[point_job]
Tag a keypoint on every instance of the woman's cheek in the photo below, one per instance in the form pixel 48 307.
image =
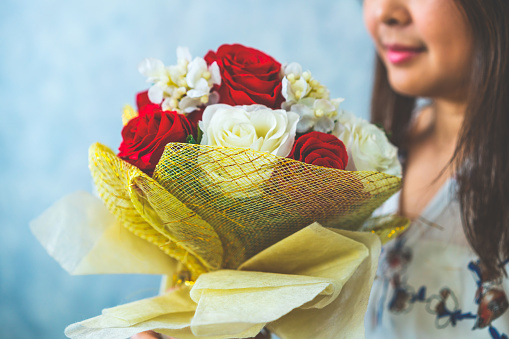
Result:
pixel 370 18
pixel 450 45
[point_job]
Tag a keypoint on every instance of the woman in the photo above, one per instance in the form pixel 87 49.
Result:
pixel 456 54
pixel 446 275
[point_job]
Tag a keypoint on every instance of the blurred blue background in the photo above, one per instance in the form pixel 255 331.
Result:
pixel 66 70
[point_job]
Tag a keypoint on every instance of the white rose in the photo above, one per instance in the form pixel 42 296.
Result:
pixel 239 173
pixel 256 127
pixel 367 145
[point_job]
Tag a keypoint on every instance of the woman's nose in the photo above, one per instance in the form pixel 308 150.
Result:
pixel 392 12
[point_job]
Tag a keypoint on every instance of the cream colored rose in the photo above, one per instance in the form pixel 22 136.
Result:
pixel 256 127
pixel 241 173
pixel 367 145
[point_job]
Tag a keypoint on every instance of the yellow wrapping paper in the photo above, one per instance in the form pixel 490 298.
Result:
pixel 85 238
pixel 242 236
pixel 343 317
pixel 313 284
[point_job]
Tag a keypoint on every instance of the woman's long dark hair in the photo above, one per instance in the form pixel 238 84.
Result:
pixel 481 160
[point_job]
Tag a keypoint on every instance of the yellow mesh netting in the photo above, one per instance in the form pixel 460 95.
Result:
pixel 212 207
pixel 159 218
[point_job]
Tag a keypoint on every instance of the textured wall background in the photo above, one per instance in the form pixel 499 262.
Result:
pixel 66 70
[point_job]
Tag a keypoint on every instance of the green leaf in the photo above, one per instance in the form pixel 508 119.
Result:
pixel 190 140
pixel 387 134
pixel 200 135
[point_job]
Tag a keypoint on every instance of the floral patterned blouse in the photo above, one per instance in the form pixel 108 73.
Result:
pixel 429 282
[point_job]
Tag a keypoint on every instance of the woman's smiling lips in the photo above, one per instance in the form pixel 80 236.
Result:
pixel 398 54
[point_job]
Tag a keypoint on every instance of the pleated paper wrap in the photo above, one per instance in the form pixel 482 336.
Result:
pixel 268 241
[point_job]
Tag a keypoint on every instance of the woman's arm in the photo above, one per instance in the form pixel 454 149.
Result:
pixel 264 334
pixel 149 335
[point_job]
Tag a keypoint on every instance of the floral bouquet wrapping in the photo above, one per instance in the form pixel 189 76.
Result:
pixel 243 183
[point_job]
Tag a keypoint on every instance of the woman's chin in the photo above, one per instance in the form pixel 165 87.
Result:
pixel 409 86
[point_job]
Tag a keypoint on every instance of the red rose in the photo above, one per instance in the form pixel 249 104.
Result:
pixel 145 136
pixel 320 149
pixel 144 104
pixel 195 117
pixel 248 76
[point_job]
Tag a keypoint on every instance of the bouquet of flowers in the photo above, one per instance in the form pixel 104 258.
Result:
pixel 245 184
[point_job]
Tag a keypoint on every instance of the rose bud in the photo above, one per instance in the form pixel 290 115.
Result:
pixel 320 149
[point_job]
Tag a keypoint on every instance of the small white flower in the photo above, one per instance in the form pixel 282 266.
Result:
pixel 183 87
pixel 367 145
pixel 156 74
pixel 195 72
pixel 316 114
pixel 189 104
pixel 309 99
pixel 298 86
pixel 183 54
pixel 156 94
pixel 215 74
pixel 199 88
pixel 292 68
pixel 152 68
pixel 296 90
